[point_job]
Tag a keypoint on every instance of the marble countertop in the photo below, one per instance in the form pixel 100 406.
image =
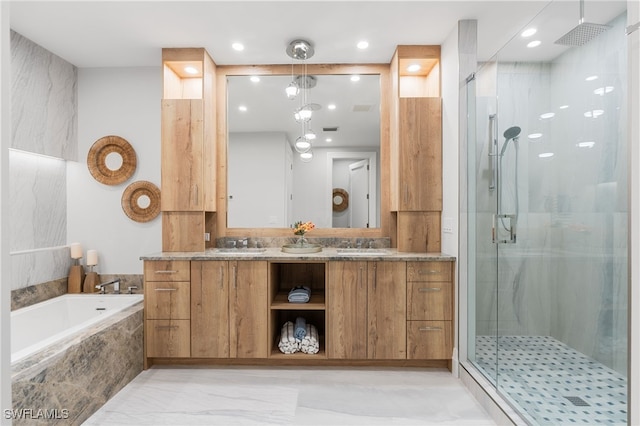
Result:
pixel 276 254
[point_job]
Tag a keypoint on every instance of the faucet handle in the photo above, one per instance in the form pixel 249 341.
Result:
pixel 101 288
pixel 131 288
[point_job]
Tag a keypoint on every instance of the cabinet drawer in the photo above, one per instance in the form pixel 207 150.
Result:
pixel 428 271
pixel 429 340
pixel 168 338
pixel 167 270
pixel 429 301
pixel 167 300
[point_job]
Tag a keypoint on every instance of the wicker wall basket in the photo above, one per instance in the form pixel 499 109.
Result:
pixel 97 160
pixel 340 199
pixel 131 204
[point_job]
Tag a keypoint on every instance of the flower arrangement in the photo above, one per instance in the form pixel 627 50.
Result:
pixel 301 228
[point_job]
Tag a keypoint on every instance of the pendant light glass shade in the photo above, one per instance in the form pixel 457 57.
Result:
pixel 302 145
pixel 310 135
pixel 306 156
pixel 292 90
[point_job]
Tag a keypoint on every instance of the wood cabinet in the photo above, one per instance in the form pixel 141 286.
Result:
pixel 347 310
pixel 209 309
pixel 166 309
pixel 248 330
pixel 188 151
pixel 366 310
pixel 429 310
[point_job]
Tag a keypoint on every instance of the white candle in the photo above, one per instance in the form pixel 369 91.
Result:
pixel 92 257
pixel 76 251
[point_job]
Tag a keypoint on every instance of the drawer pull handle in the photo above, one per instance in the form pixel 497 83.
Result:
pixel 429 272
pixel 430 329
pixel 166 326
pixel 428 290
pixel 166 272
pixel 166 289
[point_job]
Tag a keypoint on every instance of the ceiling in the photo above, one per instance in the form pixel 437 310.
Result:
pixel 131 33
pixel 114 33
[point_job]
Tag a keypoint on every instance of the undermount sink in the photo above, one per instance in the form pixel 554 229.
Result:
pixel 248 250
pixel 362 252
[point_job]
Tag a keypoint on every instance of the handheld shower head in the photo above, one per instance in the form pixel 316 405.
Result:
pixel 511 133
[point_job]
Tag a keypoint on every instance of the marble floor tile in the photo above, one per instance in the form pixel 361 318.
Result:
pixel 292 395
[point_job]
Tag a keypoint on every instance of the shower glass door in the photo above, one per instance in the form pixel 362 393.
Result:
pixel 547 225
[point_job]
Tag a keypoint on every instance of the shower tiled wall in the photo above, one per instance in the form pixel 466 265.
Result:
pixel 44 123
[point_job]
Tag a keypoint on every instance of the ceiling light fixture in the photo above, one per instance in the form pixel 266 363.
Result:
pixel 363 44
pixel 299 87
pixel 413 68
pixel 238 47
pixel 529 32
pixel 306 156
pixel 546 155
pixel 254 78
pixel 191 70
pixel 534 43
pixel 591 78
pixel 331 106
pixel 242 108
pixel 547 115
pixel 589 144
pixel 355 78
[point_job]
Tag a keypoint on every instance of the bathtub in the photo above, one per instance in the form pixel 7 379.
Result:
pixel 70 354
pixel 37 326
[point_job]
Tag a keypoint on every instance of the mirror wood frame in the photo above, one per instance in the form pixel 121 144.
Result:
pixel 223 71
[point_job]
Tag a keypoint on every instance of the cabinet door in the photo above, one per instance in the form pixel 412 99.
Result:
pixel 167 338
pixel 209 309
pixel 182 151
pixel 420 155
pixel 248 309
pixel 347 310
pixel 429 340
pixel 387 310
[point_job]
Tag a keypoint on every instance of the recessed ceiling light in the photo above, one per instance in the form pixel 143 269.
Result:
pixel 603 90
pixel 255 78
pixel 413 67
pixel 242 108
pixel 591 78
pixel 589 144
pixel 331 106
pixel 363 44
pixel 534 43
pixel 191 70
pixel 355 78
pixel 328 140
pixel 238 46
pixel 594 114
pixel 529 32
pixel 563 106
pixel 547 115
pixel 546 155
pixel 535 136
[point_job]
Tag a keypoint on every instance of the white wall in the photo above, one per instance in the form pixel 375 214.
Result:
pixel 123 102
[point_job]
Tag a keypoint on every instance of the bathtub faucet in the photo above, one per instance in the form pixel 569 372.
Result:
pixel 116 286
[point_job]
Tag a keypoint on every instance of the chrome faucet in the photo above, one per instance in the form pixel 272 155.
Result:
pixel 116 286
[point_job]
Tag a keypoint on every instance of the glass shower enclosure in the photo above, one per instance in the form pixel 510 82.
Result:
pixel 547 224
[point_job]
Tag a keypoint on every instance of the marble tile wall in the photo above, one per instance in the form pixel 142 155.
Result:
pixel 44 123
pixel 44 103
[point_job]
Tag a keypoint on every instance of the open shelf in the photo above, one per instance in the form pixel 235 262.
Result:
pixel 281 302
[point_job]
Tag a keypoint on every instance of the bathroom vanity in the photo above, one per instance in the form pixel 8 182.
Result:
pixel 216 307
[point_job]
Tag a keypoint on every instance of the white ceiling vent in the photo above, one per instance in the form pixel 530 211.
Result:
pixel 362 108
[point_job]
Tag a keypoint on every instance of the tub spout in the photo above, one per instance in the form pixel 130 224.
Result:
pixel 115 283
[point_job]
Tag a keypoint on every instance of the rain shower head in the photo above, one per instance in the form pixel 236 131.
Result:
pixel 512 132
pixel 583 33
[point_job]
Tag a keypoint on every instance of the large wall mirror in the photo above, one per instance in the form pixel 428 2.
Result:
pixel 269 184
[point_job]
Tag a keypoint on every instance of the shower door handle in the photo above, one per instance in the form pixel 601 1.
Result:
pixel 503 230
pixel 493 152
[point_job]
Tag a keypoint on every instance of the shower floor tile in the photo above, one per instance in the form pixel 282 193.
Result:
pixel 553 383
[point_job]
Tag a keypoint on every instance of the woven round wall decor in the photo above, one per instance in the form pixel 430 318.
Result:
pixel 131 201
pixel 340 199
pixel 97 160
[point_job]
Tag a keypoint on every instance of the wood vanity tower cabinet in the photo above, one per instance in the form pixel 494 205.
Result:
pixel 188 151
pixel 416 148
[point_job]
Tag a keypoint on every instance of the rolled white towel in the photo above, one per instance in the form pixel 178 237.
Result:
pixel 287 343
pixel 311 342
